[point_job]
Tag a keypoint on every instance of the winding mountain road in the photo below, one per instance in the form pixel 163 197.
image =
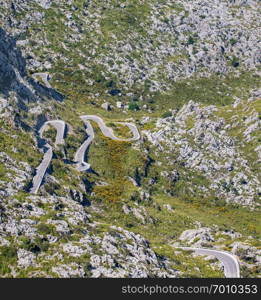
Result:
pixel 81 152
pixel 48 155
pixel 79 157
pixel 229 261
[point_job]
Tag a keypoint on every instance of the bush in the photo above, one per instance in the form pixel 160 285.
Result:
pixel 8 252
pixel 59 152
pixel 166 114
pixel 51 187
pixel 235 62
pixel 115 92
pixel 36 246
pixel 134 106
pixel 45 229
pixel 8 257
pixel 233 41
pixel 191 40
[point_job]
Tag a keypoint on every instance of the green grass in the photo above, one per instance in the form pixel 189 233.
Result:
pixel 25 150
pixel 8 258
pixel 238 218
pixel 50 134
pixel 114 161
pixel 121 21
pixel 120 130
pixel 3 172
pixel 218 90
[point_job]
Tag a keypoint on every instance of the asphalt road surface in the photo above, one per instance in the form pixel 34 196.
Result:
pixel 229 261
pixel 48 155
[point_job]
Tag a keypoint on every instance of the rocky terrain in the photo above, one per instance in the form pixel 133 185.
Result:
pixel 203 141
pixel 188 75
pixel 132 50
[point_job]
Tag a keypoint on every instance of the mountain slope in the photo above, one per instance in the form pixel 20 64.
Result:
pixel 187 74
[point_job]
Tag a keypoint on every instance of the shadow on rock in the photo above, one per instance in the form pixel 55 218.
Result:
pixel 14 78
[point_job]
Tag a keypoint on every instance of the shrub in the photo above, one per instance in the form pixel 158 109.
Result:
pixel 166 114
pixel 36 246
pixel 114 92
pixel 44 229
pixel 8 252
pixel 191 40
pixel 8 257
pixel 235 62
pixel 134 106
pixel 233 41
pixel 50 134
